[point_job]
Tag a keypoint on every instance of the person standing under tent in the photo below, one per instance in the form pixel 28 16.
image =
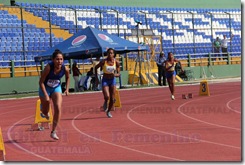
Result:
pixel 170 72
pixel 50 89
pixel 76 72
pixel 89 79
pixel 111 70
pixel 95 62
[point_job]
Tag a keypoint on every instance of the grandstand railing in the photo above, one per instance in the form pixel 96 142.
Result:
pixel 12 70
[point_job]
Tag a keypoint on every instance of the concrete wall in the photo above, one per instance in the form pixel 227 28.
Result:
pixel 6 2
pixel 217 71
pixel 144 3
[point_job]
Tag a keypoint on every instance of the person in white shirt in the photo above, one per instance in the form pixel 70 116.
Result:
pixel 224 45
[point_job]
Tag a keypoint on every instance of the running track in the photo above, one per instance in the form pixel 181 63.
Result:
pixel 148 127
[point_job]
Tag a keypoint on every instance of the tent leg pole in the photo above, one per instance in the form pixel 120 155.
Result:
pixel 134 70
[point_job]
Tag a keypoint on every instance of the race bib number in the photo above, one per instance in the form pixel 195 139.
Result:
pixel 53 83
pixel 110 69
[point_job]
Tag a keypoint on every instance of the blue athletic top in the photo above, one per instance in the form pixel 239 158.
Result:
pixel 53 80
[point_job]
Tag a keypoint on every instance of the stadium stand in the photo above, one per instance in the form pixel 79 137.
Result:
pixel 183 31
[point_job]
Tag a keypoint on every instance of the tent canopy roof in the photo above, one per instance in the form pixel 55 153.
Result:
pixel 91 41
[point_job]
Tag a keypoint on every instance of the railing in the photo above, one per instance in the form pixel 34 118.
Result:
pixel 11 70
pixel 192 60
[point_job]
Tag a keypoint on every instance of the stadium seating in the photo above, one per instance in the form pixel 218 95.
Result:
pixel 191 34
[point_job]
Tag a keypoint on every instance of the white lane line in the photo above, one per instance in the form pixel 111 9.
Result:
pixel 228 105
pixel 164 132
pixel 113 144
pixel 20 147
pixel 201 121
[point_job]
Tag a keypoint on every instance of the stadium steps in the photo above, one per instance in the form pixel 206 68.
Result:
pixel 145 80
pixel 40 23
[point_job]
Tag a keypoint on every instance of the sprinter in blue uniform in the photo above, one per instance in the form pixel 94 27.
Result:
pixel 50 88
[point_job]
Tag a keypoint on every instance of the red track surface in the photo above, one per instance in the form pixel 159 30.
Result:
pixel 148 127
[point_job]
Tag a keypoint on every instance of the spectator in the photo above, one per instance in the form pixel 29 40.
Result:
pixel 90 72
pixel 89 79
pixel 76 72
pixel 216 45
pixel 224 45
pixel 161 69
pixel 95 62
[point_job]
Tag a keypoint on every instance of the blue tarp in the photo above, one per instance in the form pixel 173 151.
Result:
pixel 91 41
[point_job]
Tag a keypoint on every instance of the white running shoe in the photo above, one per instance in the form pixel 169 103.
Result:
pixel 54 135
pixel 108 113
pixel 172 97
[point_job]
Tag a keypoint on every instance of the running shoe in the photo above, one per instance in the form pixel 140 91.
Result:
pixel 96 89
pixel 45 116
pixel 105 106
pixel 54 135
pixel 172 97
pixel 108 113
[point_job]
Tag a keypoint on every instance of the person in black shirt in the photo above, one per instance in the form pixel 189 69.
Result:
pixel 161 69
